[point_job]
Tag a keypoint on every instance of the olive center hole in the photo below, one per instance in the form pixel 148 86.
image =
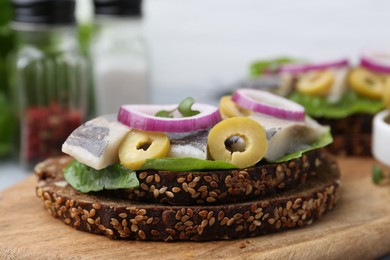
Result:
pixel 369 81
pixel 144 146
pixel 314 77
pixel 235 144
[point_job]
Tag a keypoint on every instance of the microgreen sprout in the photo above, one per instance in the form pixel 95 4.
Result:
pixel 184 108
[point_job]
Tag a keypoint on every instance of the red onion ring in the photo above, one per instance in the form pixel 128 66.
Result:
pixel 142 117
pixel 269 104
pixel 376 61
pixel 302 68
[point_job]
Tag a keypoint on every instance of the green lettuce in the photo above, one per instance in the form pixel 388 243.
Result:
pixel 185 164
pixel 322 142
pixel 350 103
pixel 86 179
pixel 259 67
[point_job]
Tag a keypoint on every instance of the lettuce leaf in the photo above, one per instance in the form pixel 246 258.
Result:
pixel 185 164
pixel 322 142
pixel 86 179
pixel 351 103
pixel 259 67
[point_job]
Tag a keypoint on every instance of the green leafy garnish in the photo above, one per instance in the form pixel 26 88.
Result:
pixel 185 164
pixel 86 179
pixel 184 108
pixel 349 104
pixel 272 65
pixel 165 113
pixel 377 174
pixel 322 142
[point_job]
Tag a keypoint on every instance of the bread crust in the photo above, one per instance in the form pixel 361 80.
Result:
pixel 124 219
pixel 210 187
pixel 351 135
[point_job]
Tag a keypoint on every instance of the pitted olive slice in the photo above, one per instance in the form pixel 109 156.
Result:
pixel 316 83
pixel 229 108
pixel 366 83
pixel 238 140
pixel 386 93
pixel 138 146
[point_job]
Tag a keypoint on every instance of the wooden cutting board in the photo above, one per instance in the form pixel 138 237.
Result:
pixel 358 228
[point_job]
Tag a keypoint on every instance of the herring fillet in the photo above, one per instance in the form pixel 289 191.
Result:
pixel 95 143
pixel 287 136
pixel 193 145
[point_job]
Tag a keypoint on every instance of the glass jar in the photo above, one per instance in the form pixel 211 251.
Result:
pixel 119 55
pixel 49 77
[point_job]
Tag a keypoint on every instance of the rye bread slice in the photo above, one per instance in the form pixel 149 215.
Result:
pixel 124 219
pixel 210 187
pixel 352 134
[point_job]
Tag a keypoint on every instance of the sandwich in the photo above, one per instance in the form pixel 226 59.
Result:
pixel 335 93
pixel 252 166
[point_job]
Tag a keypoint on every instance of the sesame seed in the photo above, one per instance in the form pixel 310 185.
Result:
pixel 91 221
pixel 114 222
pixel 149 179
pixel 213 194
pixel 208 178
pixel 92 213
pixel 210 199
pixel 142 175
pixel 163 190
pixel 211 221
pixel 203 213
pixel 230 222
pixel 181 180
pixel 221 214
pixel 185 186
pixel 185 218
pixel 191 191
pixel 214 184
pixel 200 230
pixel 141 212
pixel 141 234
pixel 123 215
pixel 170 194
pixel 109 231
pixel 157 178
pixel 155 232
pixel 239 228
pixel 192 184
pixel 257 223
pixel 101 227
pixel 204 223
pixel 170 231
pixel 124 223
pixel 188 223
pixel 144 187
pixel 176 189
pixel 156 193
pixel 237 216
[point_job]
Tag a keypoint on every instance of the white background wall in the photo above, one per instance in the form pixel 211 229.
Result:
pixel 199 45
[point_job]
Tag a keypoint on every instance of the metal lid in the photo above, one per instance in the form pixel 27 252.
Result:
pixel 118 7
pixel 59 12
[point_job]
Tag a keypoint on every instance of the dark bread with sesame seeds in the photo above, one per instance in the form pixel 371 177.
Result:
pixel 351 135
pixel 213 187
pixel 123 219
